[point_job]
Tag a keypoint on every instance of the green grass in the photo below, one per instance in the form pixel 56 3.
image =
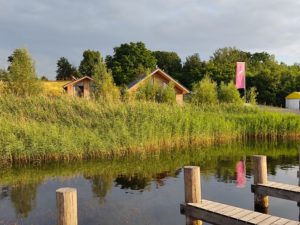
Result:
pixel 38 129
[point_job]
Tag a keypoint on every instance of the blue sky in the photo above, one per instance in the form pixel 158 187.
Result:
pixel 54 28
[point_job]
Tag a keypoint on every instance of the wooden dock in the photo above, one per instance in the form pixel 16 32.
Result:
pixel 218 213
pixel 196 209
pixel 278 190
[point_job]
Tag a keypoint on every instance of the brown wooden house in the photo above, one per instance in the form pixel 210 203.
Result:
pixel 162 78
pixel 79 87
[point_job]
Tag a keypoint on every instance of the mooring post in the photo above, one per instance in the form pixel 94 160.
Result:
pixel 66 201
pixel 192 189
pixel 259 166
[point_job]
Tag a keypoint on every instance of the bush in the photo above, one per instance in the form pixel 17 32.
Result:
pixel 156 92
pixel 229 94
pixel 252 95
pixel 168 94
pixel 204 92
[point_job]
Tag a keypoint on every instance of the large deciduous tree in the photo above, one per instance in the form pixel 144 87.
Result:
pixel 22 79
pixel 89 62
pixel 170 62
pixel 65 70
pixel 128 61
pixel 193 70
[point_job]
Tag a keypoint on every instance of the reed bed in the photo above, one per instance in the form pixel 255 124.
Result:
pixel 39 129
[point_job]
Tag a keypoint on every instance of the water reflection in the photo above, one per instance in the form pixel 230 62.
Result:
pixel 101 184
pixel 240 169
pixel 25 191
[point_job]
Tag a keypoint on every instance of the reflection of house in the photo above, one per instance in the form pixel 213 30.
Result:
pixel 79 87
pixel 162 78
pixel 292 101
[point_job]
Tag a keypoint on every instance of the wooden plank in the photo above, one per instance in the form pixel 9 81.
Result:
pixel 270 220
pixel 279 190
pixel 259 218
pixel 250 216
pixel 218 213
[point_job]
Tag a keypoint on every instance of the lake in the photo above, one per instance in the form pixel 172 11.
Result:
pixel 144 189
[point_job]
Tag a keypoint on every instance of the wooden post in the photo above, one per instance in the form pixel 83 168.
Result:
pixel 192 189
pixel 66 200
pixel 259 166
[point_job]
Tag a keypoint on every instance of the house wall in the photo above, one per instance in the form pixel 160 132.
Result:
pixel 179 99
pixel 292 103
pixel 70 90
pixel 86 88
pixel 161 79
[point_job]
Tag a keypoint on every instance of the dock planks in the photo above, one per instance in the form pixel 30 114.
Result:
pixel 279 190
pixel 218 213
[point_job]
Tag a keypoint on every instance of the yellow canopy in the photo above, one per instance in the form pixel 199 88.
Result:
pixel 294 95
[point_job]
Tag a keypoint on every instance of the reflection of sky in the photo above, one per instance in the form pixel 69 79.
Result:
pixel 155 205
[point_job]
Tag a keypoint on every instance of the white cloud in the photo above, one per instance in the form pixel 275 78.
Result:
pixel 52 28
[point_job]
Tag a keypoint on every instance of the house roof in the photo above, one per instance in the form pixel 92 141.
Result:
pixel 77 81
pixel 164 74
pixel 294 95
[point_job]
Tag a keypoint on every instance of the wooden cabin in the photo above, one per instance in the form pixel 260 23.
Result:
pixel 79 87
pixel 164 79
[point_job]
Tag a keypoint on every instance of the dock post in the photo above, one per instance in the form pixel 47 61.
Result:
pixel 259 166
pixel 66 201
pixel 192 189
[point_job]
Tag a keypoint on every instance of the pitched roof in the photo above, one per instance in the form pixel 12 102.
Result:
pixel 77 81
pixel 294 95
pixel 164 74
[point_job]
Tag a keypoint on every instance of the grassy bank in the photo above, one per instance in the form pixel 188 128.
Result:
pixel 44 129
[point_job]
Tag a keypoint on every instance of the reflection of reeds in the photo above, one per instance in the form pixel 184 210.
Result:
pixel 41 129
pixel 217 160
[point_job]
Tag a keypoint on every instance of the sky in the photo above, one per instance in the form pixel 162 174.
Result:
pixel 51 29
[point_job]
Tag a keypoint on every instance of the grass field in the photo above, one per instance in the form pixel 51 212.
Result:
pixel 41 129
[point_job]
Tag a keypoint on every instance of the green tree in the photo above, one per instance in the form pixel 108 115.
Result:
pixel 229 94
pixel 222 65
pixel 104 87
pixel 22 79
pixel 90 60
pixel 193 70
pixel 65 70
pixel 205 92
pixel 127 61
pixel 170 62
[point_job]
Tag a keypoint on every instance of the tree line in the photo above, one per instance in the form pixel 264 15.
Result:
pixel 273 80
pixel 269 81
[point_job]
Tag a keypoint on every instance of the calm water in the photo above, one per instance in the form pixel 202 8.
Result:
pixel 144 190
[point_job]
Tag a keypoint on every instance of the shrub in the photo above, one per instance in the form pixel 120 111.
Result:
pixel 204 92
pixel 168 94
pixel 149 91
pixel 229 94
pixel 156 92
pixel 252 95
